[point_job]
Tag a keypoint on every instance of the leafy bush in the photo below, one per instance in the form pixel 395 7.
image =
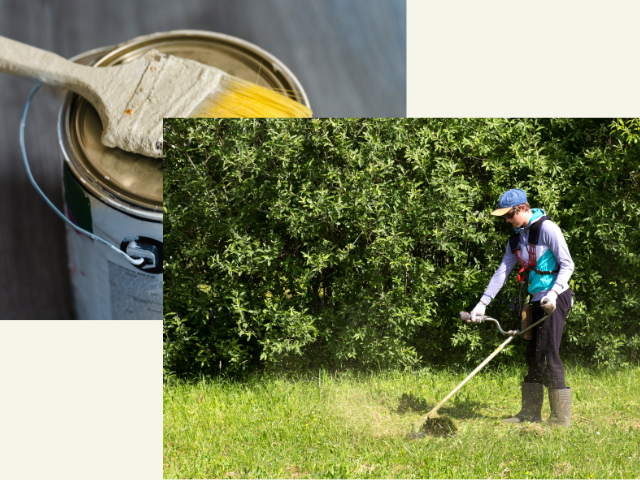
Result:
pixel 359 240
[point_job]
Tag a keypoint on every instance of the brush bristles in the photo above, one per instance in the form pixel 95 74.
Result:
pixel 236 98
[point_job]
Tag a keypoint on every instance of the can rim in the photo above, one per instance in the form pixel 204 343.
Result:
pixel 87 180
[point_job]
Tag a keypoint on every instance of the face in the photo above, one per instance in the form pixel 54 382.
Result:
pixel 517 217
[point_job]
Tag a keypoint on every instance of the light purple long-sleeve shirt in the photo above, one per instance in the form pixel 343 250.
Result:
pixel 551 238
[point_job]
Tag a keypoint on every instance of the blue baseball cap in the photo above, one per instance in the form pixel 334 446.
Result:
pixel 508 200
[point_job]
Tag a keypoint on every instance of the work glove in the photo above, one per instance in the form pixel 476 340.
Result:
pixel 548 302
pixel 477 314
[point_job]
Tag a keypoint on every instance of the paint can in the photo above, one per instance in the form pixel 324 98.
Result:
pixel 117 195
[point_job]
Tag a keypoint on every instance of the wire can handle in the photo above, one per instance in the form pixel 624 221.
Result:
pixel 23 121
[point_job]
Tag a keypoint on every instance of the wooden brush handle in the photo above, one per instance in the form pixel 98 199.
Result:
pixel 26 61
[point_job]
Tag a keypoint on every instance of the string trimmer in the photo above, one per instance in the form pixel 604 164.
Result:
pixel 464 316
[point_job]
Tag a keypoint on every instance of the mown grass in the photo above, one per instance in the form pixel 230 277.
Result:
pixel 347 424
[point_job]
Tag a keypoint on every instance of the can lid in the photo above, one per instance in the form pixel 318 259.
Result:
pixel 119 176
pixel 131 176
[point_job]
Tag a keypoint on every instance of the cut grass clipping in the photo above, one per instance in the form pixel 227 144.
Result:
pixel 438 426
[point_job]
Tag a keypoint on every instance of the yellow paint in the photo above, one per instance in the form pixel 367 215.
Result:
pixel 235 98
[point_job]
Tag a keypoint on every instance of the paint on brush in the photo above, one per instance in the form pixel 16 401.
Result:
pixel 232 55
pixel 117 195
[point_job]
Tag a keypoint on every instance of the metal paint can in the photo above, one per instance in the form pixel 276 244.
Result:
pixel 117 195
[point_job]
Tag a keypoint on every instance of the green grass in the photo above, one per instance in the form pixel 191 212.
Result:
pixel 346 425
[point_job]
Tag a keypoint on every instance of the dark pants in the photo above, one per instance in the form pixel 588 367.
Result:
pixel 543 351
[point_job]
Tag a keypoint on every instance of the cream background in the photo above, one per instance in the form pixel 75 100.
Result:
pixel 483 58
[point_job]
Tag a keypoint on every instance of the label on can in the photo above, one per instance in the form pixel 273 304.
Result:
pixel 134 295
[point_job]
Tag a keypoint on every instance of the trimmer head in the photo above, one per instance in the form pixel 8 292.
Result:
pixel 436 426
pixel 431 422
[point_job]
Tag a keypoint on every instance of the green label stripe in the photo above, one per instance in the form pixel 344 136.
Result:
pixel 77 201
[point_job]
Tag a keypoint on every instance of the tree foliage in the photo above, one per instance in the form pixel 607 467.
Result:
pixel 360 240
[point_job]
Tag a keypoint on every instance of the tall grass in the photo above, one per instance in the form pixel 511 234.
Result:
pixel 348 424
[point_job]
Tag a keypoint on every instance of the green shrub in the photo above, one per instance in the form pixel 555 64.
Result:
pixel 359 240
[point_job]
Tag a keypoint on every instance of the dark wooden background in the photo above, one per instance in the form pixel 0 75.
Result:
pixel 350 56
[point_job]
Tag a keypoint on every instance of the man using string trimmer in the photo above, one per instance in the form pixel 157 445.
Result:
pixel 538 245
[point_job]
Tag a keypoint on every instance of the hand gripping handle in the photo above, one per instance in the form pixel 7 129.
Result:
pixel 464 316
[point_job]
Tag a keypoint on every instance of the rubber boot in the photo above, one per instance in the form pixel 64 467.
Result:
pixel 560 403
pixel 532 398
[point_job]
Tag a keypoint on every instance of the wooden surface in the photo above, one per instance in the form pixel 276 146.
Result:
pixel 350 56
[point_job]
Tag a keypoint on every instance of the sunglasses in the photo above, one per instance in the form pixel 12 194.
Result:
pixel 510 214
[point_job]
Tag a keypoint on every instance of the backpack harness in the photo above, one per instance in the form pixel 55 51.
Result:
pixel 527 266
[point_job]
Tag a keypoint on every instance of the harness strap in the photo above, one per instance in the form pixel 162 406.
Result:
pixel 530 264
pixel 523 274
pixel 551 272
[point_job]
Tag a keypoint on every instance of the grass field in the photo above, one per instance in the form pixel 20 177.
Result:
pixel 350 425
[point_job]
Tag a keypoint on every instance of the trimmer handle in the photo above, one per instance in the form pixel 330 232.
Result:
pixel 466 317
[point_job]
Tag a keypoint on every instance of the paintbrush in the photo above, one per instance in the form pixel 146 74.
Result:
pixel 133 98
